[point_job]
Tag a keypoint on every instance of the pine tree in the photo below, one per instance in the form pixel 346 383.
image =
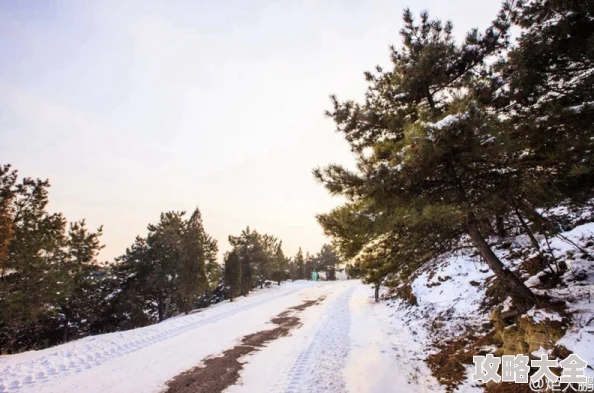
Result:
pixel 8 179
pixel 31 275
pixel 299 265
pixel 424 140
pixel 215 291
pixel 292 269
pixel 80 262
pixel 328 260
pixel 193 279
pixel 309 265
pixel 53 288
pixel 547 95
pixel 263 253
pixel 170 270
pixel 163 240
pixel 281 264
pixel 233 274
pixel 136 294
pixel 257 254
pixel 541 91
pixel 244 245
pixel 42 265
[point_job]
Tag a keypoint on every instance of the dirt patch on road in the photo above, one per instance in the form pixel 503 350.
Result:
pixel 218 373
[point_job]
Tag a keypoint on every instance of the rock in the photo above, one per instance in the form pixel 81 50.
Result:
pixel 525 336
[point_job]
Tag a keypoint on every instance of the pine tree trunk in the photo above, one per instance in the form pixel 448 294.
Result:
pixel 486 226
pixel 500 226
pixel 541 222
pixel 167 306
pixel 377 288
pixel 523 297
pixel 65 335
pixel 65 309
pixel 535 242
pixel 528 232
pixel 160 307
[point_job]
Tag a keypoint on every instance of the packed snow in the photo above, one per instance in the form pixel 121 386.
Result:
pixel 447 121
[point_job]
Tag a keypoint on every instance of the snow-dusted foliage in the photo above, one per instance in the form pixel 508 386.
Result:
pixel 452 299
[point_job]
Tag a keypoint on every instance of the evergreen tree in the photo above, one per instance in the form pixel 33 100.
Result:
pixel 197 251
pixel 233 274
pixel 547 96
pixel 8 179
pixel 164 247
pixel 52 287
pixel 101 292
pixel 299 265
pixel 257 254
pixel 292 269
pixel 214 271
pixel 244 245
pixel 425 142
pixel 42 265
pixel 309 265
pixel 135 293
pixel 168 271
pixel 79 265
pixel 263 253
pixel 328 260
pixel 31 275
pixel 281 264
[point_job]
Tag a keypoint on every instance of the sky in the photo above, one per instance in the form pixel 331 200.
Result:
pixel 132 108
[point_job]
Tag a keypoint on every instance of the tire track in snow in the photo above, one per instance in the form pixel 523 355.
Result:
pixel 93 351
pixel 319 367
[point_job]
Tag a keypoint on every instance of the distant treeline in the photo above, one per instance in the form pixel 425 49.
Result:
pixel 54 289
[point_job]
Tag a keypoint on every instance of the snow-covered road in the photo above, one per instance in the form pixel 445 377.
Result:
pixel 345 344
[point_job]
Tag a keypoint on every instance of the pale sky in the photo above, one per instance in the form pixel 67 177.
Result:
pixel 132 108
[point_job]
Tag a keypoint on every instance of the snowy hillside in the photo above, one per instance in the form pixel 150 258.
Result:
pixel 450 318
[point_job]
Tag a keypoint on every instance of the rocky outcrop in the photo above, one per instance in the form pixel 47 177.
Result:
pixel 525 335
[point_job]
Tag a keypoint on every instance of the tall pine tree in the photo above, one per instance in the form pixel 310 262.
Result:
pixel 424 141
pixel 233 274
